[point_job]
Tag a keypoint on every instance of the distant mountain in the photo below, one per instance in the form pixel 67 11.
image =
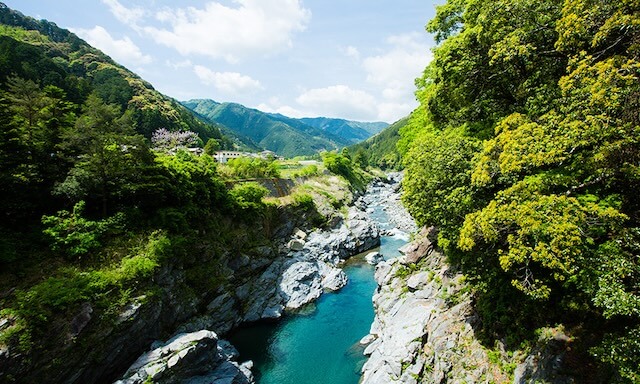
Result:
pixel 353 131
pixel 40 51
pixel 380 150
pixel 284 135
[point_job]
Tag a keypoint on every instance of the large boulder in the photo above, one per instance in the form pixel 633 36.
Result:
pixel 189 358
pixel 356 235
pixel 305 280
pixel 420 248
pixel 374 258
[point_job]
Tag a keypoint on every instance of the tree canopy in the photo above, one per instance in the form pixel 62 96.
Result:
pixel 524 153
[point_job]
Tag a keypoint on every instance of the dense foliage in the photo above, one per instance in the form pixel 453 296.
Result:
pixel 91 213
pixel 250 168
pixel 41 52
pixel 524 153
pixel 341 164
pixel 380 150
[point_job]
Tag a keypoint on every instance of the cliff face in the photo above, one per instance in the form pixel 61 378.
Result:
pixel 214 290
pixel 424 332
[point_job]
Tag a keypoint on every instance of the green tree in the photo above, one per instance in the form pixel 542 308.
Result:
pixel 212 146
pixel 544 209
pixel 109 155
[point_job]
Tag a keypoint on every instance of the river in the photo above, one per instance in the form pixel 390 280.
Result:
pixel 320 344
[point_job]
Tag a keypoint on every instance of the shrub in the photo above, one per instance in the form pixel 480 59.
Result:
pixel 248 196
pixel 74 235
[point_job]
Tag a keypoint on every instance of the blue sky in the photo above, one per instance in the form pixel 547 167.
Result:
pixel 352 59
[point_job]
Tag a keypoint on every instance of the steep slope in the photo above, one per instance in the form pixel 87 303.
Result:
pixel 380 150
pixel 42 52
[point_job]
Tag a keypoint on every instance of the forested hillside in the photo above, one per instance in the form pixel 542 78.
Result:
pixel 524 153
pixel 283 135
pixel 381 149
pixel 97 202
pixel 353 131
pixel 49 56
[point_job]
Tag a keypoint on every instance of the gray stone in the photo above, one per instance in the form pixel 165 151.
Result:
pixel 195 357
pixel 368 339
pixel 130 310
pixel 296 244
pixel 80 321
pixel 374 258
pixel 333 278
pixel 418 280
pixel 273 312
pixel 300 234
pixel 301 283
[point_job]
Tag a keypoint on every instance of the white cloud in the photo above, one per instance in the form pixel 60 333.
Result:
pixel 227 82
pixel 396 70
pixel 129 16
pixel 274 106
pixel 179 64
pixel 123 51
pixel 392 112
pixel 251 28
pixel 351 52
pixel 339 100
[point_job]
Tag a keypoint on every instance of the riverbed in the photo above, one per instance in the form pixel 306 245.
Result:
pixel 320 344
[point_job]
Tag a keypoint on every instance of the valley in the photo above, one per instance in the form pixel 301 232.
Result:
pixel 480 224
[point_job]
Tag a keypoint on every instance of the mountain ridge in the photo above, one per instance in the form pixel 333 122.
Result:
pixel 286 136
pixel 40 51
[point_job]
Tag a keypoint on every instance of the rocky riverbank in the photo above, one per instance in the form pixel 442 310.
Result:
pixel 292 273
pixel 387 194
pixel 424 332
pixel 194 358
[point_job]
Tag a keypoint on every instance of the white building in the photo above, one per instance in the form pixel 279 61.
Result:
pixel 224 156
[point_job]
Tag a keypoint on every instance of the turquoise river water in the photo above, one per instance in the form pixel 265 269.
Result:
pixel 319 345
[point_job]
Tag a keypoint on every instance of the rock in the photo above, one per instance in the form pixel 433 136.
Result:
pixel 374 258
pixel 300 284
pixel 418 328
pixel 189 358
pixel 358 234
pixel 420 248
pixel 304 281
pixel 364 230
pixel 261 293
pixel 296 244
pixel 544 363
pixel 334 278
pixel 368 339
pixel 239 262
pixel 81 320
pixel 299 234
pixel 273 312
pixel 130 310
pixel 384 270
pixel 418 280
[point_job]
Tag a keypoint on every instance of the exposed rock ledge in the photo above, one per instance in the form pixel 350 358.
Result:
pixel 192 358
pixel 298 274
pixel 423 329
